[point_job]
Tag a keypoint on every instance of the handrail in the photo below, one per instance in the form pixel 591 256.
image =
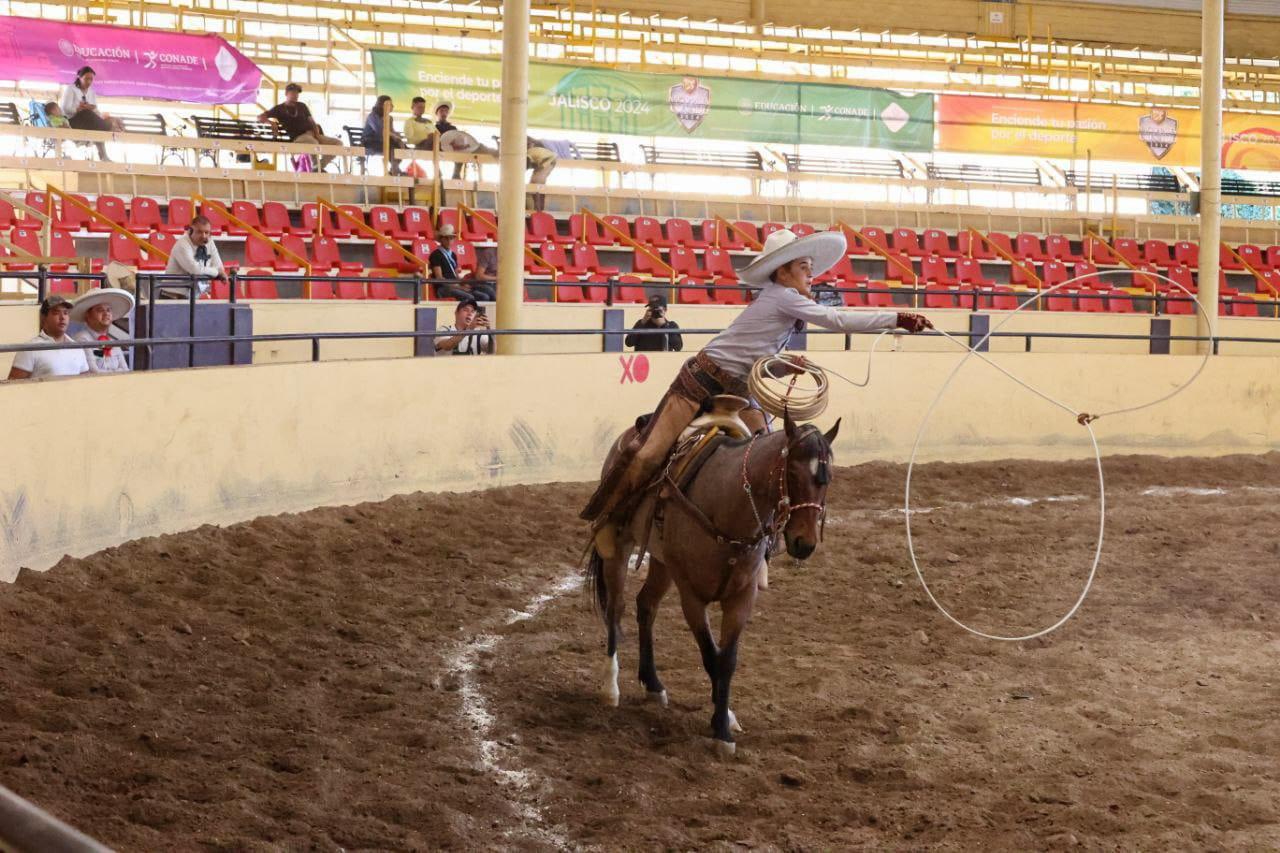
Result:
pixel 115 227
pixel 198 199
pixel 324 203
pixel 1089 232
pixel 634 244
pixel 1030 271
pixel 861 238
pixel 1258 278
pixel 741 232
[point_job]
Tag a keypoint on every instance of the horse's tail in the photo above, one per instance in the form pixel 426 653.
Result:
pixel 596 586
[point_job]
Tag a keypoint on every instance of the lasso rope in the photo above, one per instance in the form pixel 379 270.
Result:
pixel 1084 419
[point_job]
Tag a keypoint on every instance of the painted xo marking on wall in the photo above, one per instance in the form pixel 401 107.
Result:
pixel 635 368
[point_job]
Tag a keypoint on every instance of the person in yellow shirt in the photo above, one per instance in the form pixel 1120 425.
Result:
pixel 419 131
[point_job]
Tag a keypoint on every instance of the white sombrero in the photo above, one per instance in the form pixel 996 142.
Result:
pixel 121 302
pixel 825 248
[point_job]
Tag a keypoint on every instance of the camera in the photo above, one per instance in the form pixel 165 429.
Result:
pixel 480 310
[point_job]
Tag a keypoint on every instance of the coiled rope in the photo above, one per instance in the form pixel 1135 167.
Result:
pixel 760 380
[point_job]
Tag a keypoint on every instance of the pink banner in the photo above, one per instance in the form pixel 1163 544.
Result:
pixel 132 63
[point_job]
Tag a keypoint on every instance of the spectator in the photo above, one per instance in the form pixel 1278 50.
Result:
pixel 655 317
pixel 457 141
pixel 542 160
pixel 55 316
pixel 419 132
pixel 80 106
pixel 53 114
pixel 373 132
pixel 442 266
pixel 484 278
pixel 195 254
pixel 467 316
pixel 298 124
pixel 98 310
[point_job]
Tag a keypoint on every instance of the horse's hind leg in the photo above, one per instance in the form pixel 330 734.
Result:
pixel 655 586
pixel 614 605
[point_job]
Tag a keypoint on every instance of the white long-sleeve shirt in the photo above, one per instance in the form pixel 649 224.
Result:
pixel 765 326
pixel 71 97
pixel 182 261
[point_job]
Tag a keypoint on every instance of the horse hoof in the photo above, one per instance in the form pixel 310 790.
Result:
pixel 610 697
pixel 659 696
pixel 726 749
pixel 733 722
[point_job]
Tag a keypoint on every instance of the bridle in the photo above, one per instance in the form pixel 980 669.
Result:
pixel 784 509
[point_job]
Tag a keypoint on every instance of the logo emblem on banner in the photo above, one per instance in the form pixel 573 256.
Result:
pixel 1158 131
pixel 225 63
pixel 895 117
pixel 66 47
pixel 690 101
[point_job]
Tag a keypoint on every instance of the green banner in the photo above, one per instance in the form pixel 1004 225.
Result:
pixel 642 104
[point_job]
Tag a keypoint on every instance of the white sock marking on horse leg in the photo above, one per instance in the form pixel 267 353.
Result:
pixel 733 722
pixel 659 696
pixel 726 749
pixel 609 686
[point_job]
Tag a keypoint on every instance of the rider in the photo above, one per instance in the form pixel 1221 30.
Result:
pixel 785 271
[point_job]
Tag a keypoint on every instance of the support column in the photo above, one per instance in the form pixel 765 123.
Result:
pixel 1212 24
pixel 511 189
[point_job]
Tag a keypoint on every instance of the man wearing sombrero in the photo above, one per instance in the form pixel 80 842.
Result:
pixel 785 270
pixel 98 309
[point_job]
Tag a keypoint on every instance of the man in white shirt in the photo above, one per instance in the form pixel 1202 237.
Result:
pixel 468 316
pixel 785 272
pixel 98 310
pixel 55 316
pixel 195 254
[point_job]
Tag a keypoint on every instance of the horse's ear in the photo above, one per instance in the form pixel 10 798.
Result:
pixel 789 424
pixel 830 435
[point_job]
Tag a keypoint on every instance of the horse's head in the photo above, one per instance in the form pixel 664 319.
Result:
pixel 809 472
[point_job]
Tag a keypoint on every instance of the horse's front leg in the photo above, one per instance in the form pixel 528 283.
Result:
pixel 655 586
pixel 736 614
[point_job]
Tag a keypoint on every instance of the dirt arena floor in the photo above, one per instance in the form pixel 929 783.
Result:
pixel 421 674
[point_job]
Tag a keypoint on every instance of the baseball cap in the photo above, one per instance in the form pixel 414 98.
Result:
pixel 657 301
pixel 463 303
pixel 53 301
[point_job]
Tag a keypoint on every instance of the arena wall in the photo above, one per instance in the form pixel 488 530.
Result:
pixel 221 445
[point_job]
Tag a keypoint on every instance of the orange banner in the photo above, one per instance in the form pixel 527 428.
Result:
pixel 1069 131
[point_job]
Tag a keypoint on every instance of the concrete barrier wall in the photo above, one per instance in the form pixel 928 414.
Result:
pixel 90 463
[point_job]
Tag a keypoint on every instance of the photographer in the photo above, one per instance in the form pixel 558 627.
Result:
pixel 655 317
pixel 468 316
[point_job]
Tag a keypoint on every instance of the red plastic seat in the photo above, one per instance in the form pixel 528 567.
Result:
pixel 587 229
pixel 260 288
pixel 881 295
pixel 649 230
pixel 144 215
pixel 480 226
pixel 43 203
pixel 181 212
pixel 901 270
pixel 1180 275
pixel 1128 248
pixel 110 206
pixel 693 291
pixel 1243 306
pixel 618 223
pixel 685 263
pixel 122 250
pixel 258 252
pixel 248 213
pixel 27 241
pixel 1176 302
pixel 417 223
pixel 802 229
pixel 1254 257
pixel 748 230
pixel 276 222
pixel 161 241
pixel 383 288
pixel 386 221
pixel 73 217
pixel 554 254
pixel 1023 274
pixel 387 255
pixel 718 235
pixel 726 292
pixel 331 225
pixel 906 241
pixel 1149 283
pixel 939 296
pixel 1119 302
pixel 643 263
pixel 1098 252
pixel 218 221
pixel 320 289
pixel 1273 257
pixel 325 256
pixel 969 271
pixel 630 289
pixel 1029 248
pixel 568 288
pixel 1187 253
pixel 422 248
pixel 1227 259
pixel 680 233
pixel 464 255
pixel 1002 240
pixel 876 237
pixel 351 289
pixel 1089 278
pixel 970 246
pixel 1269 283
pixel 1060 300
pixel 1055 273
pixel 938 243
pixel 594 291
pixel 585 256
pixel 294 244
pixel 1002 297
pixel 8 215
pixel 1090 301
pixel 1058 247
pixel 843 270
pixel 542 228
pixel 769 228
pixel 355 212
pixel 1157 252
pixel 933 270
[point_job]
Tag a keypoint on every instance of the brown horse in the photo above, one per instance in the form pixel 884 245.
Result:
pixel 711 541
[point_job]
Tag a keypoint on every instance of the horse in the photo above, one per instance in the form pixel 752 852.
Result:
pixel 711 540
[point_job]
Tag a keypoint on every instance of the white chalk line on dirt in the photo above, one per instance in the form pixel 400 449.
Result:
pixel 480 721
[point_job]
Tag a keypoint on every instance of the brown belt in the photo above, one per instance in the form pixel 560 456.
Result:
pixel 727 383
